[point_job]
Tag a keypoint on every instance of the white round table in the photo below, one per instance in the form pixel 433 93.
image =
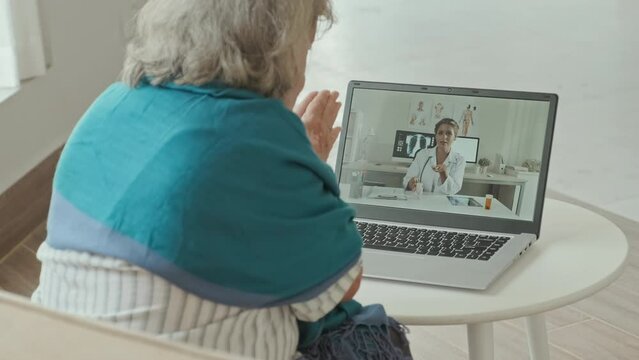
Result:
pixel 578 253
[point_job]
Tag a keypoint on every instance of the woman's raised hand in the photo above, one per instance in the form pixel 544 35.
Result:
pixel 318 112
pixel 441 168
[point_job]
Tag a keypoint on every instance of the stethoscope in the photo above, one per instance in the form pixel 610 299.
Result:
pixel 421 173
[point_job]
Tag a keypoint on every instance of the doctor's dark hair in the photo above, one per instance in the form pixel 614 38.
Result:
pixel 447 121
pixel 249 44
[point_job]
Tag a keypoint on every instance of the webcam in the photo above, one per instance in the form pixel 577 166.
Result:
pixel 450 89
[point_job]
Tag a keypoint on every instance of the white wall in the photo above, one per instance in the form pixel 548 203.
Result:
pixel 86 40
pixel 384 112
pixel 513 128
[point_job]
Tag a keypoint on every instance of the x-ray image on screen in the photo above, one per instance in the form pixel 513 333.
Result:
pixel 415 143
pixel 408 143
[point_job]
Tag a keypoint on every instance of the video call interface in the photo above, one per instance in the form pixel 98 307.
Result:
pixel 392 158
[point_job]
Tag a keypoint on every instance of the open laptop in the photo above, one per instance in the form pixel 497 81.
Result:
pixel 448 239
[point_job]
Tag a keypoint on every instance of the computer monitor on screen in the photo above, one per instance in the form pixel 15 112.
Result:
pixel 468 147
pixel 407 143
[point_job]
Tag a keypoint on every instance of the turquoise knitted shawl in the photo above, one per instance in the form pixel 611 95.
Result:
pixel 216 189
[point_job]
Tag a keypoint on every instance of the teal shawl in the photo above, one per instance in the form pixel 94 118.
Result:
pixel 353 332
pixel 216 189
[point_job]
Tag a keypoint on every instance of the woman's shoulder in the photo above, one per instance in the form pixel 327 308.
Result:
pixel 241 114
pixel 424 153
pixel 457 157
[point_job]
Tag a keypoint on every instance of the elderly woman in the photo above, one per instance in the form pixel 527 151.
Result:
pixel 191 201
pixel 438 169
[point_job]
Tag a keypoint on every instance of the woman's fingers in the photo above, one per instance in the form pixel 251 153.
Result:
pixel 319 115
pixel 317 106
pixel 411 183
pixel 334 136
pixel 300 108
pixel 332 109
pixel 439 168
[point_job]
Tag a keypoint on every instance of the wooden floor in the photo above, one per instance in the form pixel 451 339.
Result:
pixel 19 269
pixel 602 327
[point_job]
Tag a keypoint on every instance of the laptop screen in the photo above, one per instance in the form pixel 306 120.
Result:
pixel 446 153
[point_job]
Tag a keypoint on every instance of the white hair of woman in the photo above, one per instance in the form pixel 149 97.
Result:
pixel 249 44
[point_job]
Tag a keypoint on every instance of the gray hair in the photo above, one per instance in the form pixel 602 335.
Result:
pixel 246 44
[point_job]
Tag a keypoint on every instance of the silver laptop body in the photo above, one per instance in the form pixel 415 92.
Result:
pixel 384 128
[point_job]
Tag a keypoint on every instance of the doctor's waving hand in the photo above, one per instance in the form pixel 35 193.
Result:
pixel 438 169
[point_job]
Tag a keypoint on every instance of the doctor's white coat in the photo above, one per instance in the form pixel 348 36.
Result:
pixel 422 169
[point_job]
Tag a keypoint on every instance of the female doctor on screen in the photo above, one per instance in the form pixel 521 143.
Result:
pixel 439 169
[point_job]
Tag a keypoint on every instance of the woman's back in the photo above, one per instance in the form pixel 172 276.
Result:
pixel 192 202
pixel 170 202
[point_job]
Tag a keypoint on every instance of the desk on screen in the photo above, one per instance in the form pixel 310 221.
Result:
pixel 397 172
pixel 397 197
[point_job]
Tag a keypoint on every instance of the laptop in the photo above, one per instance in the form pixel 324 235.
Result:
pixel 463 228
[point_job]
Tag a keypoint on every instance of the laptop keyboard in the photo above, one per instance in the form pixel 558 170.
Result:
pixel 430 242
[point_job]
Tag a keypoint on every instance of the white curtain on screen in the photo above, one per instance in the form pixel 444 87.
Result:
pixel 21 50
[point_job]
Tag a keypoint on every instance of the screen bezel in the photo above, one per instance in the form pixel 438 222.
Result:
pixel 452 220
